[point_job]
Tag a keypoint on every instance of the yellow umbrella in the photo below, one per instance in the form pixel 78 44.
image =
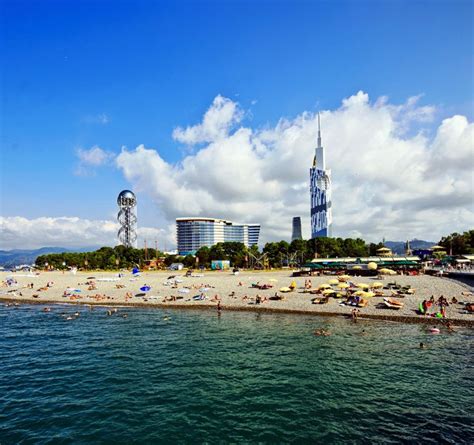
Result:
pixel 328 291
pixel 372 266
pixel 369 294
pixel 377 285
pixel 363 285
pixel 342 285
pixel 333 281
pixel 285 289
pixel 386 271
pixel 357 268
pixel 359 292
pixel 324 286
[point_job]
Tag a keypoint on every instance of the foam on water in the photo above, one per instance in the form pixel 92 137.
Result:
pixel 187 376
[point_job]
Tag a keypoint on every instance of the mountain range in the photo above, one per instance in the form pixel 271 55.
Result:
pixel 398 247
pixel 16 257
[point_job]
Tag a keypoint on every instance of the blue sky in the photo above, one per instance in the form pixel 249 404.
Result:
pixel 76 74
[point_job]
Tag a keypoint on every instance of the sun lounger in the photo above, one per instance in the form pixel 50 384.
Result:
pixel 320 300
pixel 392 304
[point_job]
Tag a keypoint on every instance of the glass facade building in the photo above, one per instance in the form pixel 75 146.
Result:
pixel 320 189
pixel 296 232
pixel 194 233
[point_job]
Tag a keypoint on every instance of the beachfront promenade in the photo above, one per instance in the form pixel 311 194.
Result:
pixel 237 292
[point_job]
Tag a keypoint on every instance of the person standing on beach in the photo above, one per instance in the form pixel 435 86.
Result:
pixel 354 314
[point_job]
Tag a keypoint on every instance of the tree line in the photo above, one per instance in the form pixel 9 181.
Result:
pixel 458 243
pixel 274 254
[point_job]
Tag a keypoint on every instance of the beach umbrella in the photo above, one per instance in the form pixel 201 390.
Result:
pixel 359 293
pixel 357 268
pixel 377 285
pixel 344 277
pixel 183 291
pixel 145 288
pixel 372 266
pixel 285 289
pixel 386 271
pixel 342 285
pixel 333 281
pixel 363 285
pixel 369 294
pixel 324 286
pixel 328 291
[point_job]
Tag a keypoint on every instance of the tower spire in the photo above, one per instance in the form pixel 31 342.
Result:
pixel 319 130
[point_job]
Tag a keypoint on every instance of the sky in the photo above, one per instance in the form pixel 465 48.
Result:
pixel 207 108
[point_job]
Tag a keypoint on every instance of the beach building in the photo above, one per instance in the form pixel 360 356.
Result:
pixel 296 232
pixel 384 252
pixel 194 233
pixel 320 189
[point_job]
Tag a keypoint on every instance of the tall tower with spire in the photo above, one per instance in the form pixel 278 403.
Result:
pixel 320 188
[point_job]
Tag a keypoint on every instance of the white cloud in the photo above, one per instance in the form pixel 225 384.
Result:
pixel 101 119
pixel 90 159
pixel 218 120
pixel 386 181
pixel 19 232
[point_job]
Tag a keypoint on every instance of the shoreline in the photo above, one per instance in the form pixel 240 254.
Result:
pixel 269 310
pixel 171 290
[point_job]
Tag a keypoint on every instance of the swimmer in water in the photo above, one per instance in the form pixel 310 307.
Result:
pixel 422 345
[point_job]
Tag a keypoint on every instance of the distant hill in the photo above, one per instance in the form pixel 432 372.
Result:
pixel 12 258
pixel 399 246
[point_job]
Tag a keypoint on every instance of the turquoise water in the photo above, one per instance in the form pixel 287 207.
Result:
pixel 240 377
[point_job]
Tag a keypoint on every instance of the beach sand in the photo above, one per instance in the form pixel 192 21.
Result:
pixel 224 283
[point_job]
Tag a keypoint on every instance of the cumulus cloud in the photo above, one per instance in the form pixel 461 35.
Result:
pixel 389 178
pixel 90 159
pixel 221 116
pixel 66 232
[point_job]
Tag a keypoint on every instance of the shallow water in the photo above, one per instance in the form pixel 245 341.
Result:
pixel 240 377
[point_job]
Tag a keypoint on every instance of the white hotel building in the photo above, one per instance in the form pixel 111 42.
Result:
pixel 194 233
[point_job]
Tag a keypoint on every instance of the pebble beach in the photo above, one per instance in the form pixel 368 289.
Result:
pixel 235 292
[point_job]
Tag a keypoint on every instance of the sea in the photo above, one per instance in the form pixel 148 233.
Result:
pixel 189 376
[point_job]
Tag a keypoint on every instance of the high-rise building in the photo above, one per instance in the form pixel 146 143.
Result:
pixel 296 233
pixel 320 187
pixel 194 233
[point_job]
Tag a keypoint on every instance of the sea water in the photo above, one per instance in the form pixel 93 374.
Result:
pixel 187 376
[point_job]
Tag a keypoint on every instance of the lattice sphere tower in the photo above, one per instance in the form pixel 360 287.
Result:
pixel 127 218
